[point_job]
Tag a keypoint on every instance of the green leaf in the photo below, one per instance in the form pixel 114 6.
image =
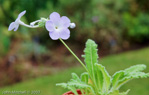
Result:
pixel 115 79
pixel 76 82
pixel 84 77
pixel 75 77
pixel 73 89
pixel 129 76
pixel 135 68
pixel 121 77
pixel 106 78
pixel 91 57
pixel 64 85
pixel 69 86
pixel 99 79
pixel 81 85
pixel 116 92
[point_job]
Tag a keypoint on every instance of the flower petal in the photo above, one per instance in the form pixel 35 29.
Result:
pixel 55 17
pixel 65 34
pixel 16 28
pixel 65 21
pixel 20 15
pixel 49 26
pixel 54 35
pixel 11 26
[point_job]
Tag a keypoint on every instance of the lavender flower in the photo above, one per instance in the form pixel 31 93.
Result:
pixel 15 25
pixel 58 26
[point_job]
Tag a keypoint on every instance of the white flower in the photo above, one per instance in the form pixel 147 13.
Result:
pixel 58 26
pixel 15 25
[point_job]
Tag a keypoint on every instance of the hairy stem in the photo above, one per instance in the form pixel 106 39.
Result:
pixel 73 54
pixel 29 26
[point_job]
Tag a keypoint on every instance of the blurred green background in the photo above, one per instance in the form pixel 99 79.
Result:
pixel 30 60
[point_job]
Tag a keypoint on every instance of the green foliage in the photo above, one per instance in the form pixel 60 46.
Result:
pixel 5 42
pixel 137 26
pixel 123 76
pixel 131 73
pixel 136 68
pixel 106 26
pixel 116 92
pixel 91 58
pixel 106 78
pixel 75 83
pixel 97 80
pixel 85 77
pixel 116 78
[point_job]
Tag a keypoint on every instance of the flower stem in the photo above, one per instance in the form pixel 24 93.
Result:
pixel 29 26
pixel 73 54
pixel 34 22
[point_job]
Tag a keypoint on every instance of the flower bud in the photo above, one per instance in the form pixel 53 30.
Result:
pixel 72 25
